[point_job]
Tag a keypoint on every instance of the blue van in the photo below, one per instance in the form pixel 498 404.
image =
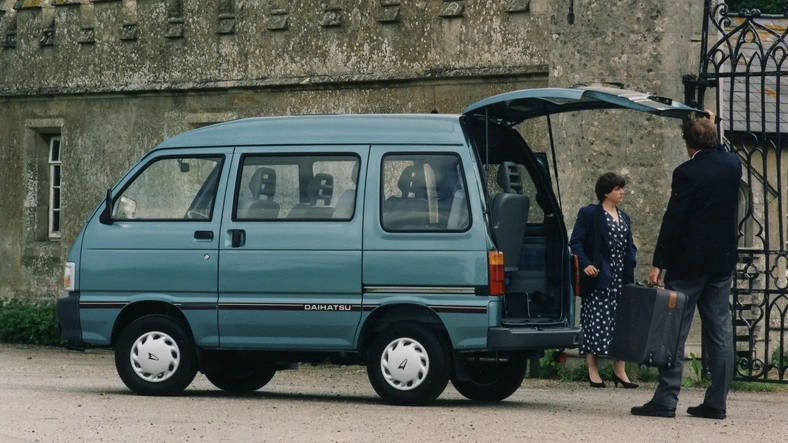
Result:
pixel 428 248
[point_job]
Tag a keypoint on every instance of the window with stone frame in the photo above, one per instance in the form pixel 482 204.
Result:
pixel 55 188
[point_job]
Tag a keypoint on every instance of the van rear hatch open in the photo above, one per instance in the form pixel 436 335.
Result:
pixel 524 214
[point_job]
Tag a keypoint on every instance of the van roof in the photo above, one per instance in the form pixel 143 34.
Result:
pixel 441 129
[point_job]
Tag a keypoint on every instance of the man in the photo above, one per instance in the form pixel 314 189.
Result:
pixel 697 248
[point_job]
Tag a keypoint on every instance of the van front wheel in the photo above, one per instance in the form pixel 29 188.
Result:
pixel 408 364
pixel 490 381
pixel 155 356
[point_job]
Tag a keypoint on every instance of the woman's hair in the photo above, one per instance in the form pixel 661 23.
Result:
pixel 606 183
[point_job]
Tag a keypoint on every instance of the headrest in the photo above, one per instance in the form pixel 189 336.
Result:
pixel 411 183
pixel 509 178
pixel 263 182
pixel 321 189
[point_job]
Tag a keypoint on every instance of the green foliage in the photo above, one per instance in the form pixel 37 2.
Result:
pixel 765 6
pixel 776 358
pixel 643 373
pixel 578 372
pixel 697 369
pixel 28 322
pixel 549 368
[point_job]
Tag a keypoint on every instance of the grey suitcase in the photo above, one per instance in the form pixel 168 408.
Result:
pixel 648 326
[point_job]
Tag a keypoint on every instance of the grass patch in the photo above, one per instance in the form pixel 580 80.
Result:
pixel 753 386
pixel 29 322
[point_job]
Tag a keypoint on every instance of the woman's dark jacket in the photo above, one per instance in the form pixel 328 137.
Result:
pixel 582 245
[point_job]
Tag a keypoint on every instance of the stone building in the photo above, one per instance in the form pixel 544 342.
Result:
pixel 88 86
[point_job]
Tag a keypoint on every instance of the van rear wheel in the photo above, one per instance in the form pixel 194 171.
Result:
pixel 155 355
pixel 489 381
pixel 408 364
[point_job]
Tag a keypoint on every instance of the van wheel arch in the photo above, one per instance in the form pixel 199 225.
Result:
pixel 387 315
pixel 136 310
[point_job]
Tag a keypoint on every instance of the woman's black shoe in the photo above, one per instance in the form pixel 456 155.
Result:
pixel 625 384
pixel 597 385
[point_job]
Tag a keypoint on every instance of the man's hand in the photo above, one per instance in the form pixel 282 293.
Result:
pixel 591 271
pixel 654 275
pixel 712 117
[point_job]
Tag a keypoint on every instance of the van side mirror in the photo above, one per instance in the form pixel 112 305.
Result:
pixel 184 166
pixel 105 218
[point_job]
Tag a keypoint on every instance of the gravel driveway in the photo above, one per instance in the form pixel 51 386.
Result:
pixel 54 395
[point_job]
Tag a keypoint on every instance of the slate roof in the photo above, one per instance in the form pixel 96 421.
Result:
pixel 761 47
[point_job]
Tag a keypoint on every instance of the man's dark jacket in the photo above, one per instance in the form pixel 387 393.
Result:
pixel 582 245
pixel 699 229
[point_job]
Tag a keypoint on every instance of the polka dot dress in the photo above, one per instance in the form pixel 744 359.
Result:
pixel 598 311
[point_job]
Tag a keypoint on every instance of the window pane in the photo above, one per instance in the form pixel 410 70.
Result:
pixel 55 198
pixel 55 175
pixel 171 188
pixel 297 188
pixel 424 192
pixel 56 221
pixel 535 212
pixel 54 151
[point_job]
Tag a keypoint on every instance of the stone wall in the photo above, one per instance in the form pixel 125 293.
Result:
pixel 646 46
pixel 83 46
pixel 115 77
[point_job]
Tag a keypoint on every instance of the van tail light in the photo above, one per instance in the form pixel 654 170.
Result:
pixel 495 271
pixel 68 276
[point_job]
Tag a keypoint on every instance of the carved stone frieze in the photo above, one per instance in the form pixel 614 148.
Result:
pixel 332 17
pixel 175 19
pixel 389 11
pixel 278 20
pixel 452 9
pixel 226 23
pixel 518 6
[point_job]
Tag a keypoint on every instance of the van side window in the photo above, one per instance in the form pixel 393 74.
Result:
pixel 424 192
pixel 298 187
pixel 174 188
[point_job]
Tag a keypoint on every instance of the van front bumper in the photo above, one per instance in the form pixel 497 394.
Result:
pixel 534 338
pixel 68 321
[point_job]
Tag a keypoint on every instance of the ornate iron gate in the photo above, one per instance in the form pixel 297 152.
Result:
pixel 744 57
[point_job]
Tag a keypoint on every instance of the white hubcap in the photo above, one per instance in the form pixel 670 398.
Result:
pixel 155 356
pixel 405 364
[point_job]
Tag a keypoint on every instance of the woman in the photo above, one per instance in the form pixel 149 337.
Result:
pixel 617 268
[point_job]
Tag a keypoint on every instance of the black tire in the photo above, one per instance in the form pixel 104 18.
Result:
pixel 418 384
pixel 171 363
pixel 238 375
pixel 492 381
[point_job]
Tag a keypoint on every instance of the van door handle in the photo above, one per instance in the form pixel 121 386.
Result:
pixel 203 235
pixel 238 237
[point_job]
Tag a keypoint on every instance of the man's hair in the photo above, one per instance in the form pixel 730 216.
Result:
pixel 699 134
pixel 606 183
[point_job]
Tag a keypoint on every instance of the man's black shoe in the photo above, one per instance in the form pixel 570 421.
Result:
pixel 704 411
pixel 652 409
